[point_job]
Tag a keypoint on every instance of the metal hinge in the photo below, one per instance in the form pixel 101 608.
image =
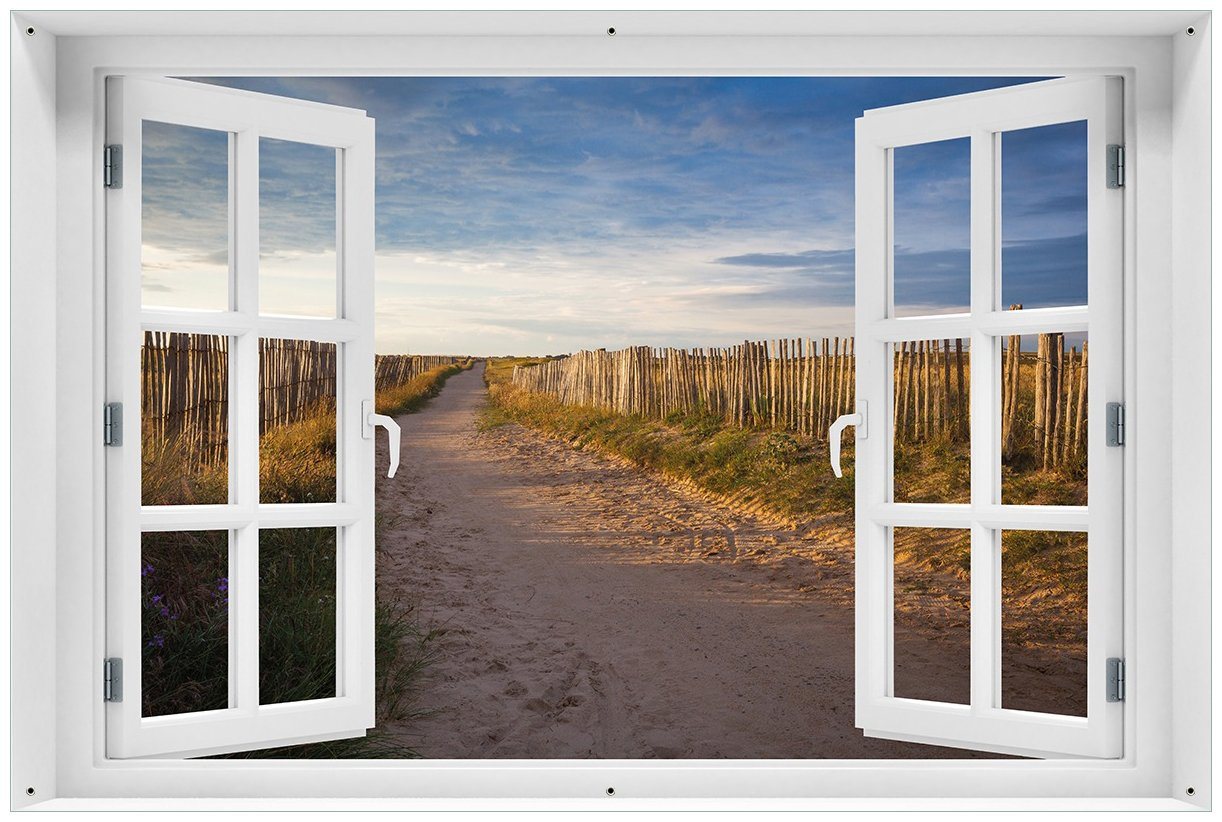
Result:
pixel 1115 680
pixel 1115 166
pixel 112 680
pixel 112 424
pixel 112 167
pixel 1115 424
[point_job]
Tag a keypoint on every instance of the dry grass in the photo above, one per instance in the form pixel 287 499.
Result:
pixel 784 474
pixel 185 587
pixel 412 395
pixel 788 477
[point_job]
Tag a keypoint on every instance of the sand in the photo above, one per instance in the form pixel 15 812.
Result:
pixel 591 609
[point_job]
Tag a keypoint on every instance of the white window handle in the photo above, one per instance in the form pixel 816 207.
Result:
pixel 369 420
pixel 833 434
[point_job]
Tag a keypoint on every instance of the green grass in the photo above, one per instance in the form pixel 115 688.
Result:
pixel 185 589
pixel 412 395
pixel 185 595
pixel 402 651
pixel 500 369
pixel 785 474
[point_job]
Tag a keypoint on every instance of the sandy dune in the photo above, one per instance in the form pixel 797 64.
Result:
pixel 592 610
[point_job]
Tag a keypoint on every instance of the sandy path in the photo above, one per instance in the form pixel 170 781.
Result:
pixel 591 610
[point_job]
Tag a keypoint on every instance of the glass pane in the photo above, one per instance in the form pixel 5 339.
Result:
pixel 184 419
pixel 1044 422
pixel 931 189
pixel 297 614
pixel 184 250
pixel 932 649
pixel 297 208
pixel 184 590
pixel 931 380
pixel 1043 622
pixel 297 439
pixel 1043 216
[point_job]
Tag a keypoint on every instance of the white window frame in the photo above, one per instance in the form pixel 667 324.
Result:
pixel 248 118
pixel 57 312
pixel 982 118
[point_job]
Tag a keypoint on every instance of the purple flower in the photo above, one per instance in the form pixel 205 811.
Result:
pixel 147 570
pixel 156 641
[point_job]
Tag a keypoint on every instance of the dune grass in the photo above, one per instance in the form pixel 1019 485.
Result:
pixel 413 394
pixel 787 476
pixel 185 588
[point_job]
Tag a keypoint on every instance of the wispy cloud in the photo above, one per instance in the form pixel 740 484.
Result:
pixel 834 258
pixel 531 215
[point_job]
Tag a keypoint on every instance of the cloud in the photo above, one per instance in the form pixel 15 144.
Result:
pixel 1046 272
pixel 932 281
pixel 802 259
pixel 520 215
pixel 185 190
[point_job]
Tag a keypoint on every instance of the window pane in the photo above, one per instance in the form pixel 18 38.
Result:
pixel 184 419
pixel 931 380
pixel 297 614
pixel 1043 216
pixel 297 208
pixel 184 251
pixel 932 649
pixel 1043 622
pixel 1044 419
pixel 184 589
pixel 931 189
pixel 297 443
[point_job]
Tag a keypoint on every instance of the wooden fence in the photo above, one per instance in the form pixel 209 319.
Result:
pixel 296 381
pixel 792 384
pixel 391 370
pixel 801 386
pixel 1051 423
pixel 185 386
pixel 184 394
pixel 931 390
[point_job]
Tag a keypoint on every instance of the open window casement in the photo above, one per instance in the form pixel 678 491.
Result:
pixel 246 127
pixel 983 120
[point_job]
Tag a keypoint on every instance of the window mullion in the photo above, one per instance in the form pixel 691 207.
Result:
pixel 985 437
pixel 244 421
pixel 354 466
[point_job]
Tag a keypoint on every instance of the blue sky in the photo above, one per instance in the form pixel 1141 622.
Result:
pixel 544 215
